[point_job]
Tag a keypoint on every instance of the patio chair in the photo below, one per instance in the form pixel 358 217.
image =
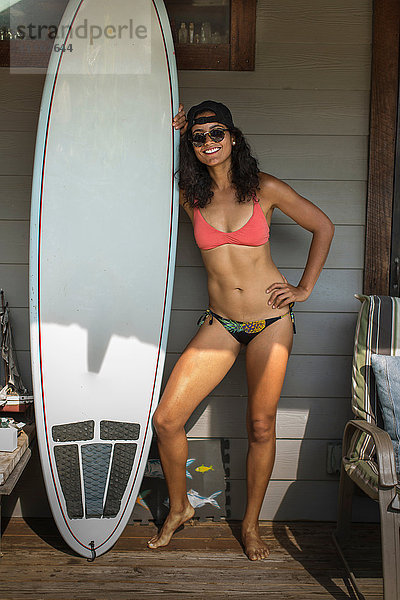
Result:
pixel 368 458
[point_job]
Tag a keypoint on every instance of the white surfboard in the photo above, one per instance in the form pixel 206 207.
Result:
pixel 102 257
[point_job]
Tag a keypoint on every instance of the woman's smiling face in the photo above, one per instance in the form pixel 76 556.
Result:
pixel 212 153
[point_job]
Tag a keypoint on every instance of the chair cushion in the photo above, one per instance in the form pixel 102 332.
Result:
pixel 377 332
pixel 387 376
pixel 365 474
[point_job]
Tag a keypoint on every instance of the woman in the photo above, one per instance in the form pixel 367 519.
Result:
pixel 230 203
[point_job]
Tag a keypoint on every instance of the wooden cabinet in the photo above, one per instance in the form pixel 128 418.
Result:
pixel 213 34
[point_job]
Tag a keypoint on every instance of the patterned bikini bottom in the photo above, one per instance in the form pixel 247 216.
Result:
pixel 245 331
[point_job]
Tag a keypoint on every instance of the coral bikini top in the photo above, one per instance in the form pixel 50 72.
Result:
pixel 253 233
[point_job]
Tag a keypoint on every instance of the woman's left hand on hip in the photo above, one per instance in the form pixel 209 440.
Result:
pixel 282 294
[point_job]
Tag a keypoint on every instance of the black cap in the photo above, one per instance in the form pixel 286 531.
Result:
pixel 222 114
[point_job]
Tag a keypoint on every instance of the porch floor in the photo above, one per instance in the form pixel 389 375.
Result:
pixel 203 561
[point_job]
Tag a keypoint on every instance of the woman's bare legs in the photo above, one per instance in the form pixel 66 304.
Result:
pixel 266 359
pixel 202 365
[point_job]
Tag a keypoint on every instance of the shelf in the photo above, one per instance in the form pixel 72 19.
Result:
pixel 203 56
pixel 199 4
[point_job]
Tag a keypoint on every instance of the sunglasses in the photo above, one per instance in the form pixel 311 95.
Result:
pixel 216 135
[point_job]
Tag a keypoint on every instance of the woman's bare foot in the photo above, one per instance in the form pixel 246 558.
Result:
pixel 254 547
pixel 171 524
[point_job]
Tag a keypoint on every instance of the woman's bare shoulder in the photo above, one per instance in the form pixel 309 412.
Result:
pixel 268 185
pixel 279 194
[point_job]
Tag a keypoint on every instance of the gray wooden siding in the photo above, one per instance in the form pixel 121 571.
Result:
pixel 305 111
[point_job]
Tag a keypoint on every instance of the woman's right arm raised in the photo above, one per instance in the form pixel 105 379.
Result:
pixel 185 205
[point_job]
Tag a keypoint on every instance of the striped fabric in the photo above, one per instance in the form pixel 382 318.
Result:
pixel 377 332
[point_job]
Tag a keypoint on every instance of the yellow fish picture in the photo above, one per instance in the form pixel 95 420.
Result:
pixel 204 469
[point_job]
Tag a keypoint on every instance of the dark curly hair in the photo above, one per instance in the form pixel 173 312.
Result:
pixel 194 178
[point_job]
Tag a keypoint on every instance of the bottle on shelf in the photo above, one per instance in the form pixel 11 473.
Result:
pixel 207 32
pixel 183 34
pixel 216 37
pixel 191 33
pixel 202 34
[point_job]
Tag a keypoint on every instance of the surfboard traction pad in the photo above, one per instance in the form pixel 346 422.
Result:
pixel 67 461
pixel 95 463
pixel 73 432
pixel 154 490
pixel 113 430
pixel 124 455
pixel 95 459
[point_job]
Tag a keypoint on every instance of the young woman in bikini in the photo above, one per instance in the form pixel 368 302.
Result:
pixel 230 203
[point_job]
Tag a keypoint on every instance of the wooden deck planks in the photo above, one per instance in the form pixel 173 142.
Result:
pixel 203 560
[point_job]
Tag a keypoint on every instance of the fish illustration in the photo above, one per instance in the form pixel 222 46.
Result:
pixel 198 501
pixel 141 497
pixel 188 463
pixel 204 469
pixel 154 468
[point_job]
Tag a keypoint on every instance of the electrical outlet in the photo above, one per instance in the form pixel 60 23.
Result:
pixel 334 457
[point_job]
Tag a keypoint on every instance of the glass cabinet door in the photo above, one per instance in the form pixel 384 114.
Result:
pixel 200 21
pixel 206 33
